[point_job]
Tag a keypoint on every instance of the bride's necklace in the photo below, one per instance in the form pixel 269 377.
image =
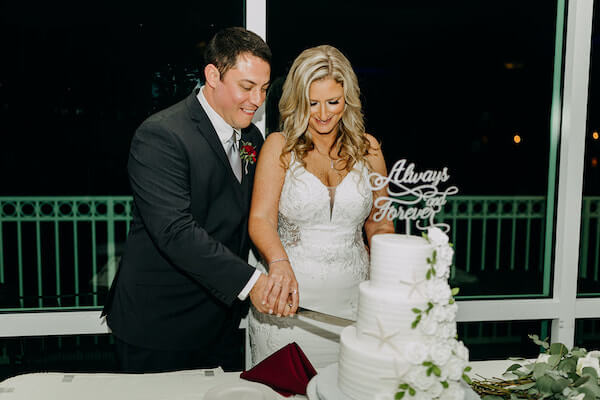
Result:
pixel 331 160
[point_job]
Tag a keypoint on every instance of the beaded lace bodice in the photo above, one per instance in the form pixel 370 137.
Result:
pixel 321 231
pixel 323 237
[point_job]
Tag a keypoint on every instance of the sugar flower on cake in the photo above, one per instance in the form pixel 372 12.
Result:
pixel 454 368
pixel 438 291
pixel 440 353
pixel 443 253
pixel 415 352
pixel 442 270
pixel 419 379
pixel 444 256
pixel 444 313
pixel 447 330
pixel 429 326
pixel 436 236
pixel 453 392
pixel 420 396
pixel 443 374
pixel 435 390
pixel 460 350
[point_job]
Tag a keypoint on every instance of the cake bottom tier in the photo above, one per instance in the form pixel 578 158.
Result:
pixel 368 369
pixel 363 371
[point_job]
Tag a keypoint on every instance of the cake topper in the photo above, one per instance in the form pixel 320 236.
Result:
pixel 407 189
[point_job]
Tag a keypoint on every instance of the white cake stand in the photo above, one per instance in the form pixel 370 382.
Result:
pixel 323 386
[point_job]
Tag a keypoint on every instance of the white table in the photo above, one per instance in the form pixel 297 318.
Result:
pixel 180 385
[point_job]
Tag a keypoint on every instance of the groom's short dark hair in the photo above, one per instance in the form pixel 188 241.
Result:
pixel 224 48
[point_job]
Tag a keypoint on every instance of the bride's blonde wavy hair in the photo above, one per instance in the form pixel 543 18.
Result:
pixel 311 65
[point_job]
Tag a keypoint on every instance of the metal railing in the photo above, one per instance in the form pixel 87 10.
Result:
pixel 589 256
pixel 62 252
pixel 486 219
pixel 59 252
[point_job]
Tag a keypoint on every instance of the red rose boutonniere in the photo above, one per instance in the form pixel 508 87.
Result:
pixel 248 154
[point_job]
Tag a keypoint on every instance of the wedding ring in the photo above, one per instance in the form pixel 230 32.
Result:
pixel 290 305
pixel 294 291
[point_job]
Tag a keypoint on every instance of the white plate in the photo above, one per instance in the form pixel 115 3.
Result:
pixel 241 391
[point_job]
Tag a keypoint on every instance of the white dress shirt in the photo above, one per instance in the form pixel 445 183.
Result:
pixel 224 133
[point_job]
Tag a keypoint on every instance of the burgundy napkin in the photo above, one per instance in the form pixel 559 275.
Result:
pixel 287 371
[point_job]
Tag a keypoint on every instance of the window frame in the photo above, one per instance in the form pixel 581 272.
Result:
pixel 568 127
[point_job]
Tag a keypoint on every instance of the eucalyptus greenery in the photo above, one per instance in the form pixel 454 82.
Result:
pixel 558 373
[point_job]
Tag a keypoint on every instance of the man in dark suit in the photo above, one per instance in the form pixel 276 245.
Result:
pixel 178 297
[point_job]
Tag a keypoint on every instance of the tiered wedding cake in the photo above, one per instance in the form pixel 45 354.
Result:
pixel 404 339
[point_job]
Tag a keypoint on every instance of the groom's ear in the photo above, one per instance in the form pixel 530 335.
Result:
pixel 212 75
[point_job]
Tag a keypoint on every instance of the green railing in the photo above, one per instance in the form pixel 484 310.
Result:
pixel 589 256
pixel 485 219
pixel 62 252
pixel 59 252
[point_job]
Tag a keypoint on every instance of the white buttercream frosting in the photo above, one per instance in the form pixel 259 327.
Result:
pixel 405 328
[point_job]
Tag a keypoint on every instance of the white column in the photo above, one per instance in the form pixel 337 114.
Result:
pixel 256 21
pixel 570 179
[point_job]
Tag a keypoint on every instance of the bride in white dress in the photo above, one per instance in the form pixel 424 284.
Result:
pixel 310 204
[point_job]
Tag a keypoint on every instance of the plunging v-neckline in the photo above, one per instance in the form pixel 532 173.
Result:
pixel 331 190
pixel 321 182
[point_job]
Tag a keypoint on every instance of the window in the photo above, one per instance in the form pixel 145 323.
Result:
pixel 76 81
pixel 468 86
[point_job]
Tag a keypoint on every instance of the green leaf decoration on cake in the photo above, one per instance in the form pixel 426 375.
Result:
pixel 438 365
pixel 404 388
pixel 416 321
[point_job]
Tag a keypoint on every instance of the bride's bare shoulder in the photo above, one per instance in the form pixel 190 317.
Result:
pixel 274 144
pixel 275 139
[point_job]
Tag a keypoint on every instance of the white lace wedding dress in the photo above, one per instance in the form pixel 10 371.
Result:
pixel 321 231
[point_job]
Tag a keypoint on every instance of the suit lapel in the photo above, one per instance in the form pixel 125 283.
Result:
pixel 207 130
pixel 247 177
pixel 247 180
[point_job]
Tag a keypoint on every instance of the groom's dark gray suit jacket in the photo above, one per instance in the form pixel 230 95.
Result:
pixel 183 265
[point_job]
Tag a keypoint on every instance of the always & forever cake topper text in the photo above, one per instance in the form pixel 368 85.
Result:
pixel 412 195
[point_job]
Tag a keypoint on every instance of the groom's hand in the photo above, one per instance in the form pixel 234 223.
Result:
pixel 258 299
pixel 256 294
pixel 281 294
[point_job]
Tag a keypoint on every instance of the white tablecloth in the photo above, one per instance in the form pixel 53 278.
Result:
pixel 180 385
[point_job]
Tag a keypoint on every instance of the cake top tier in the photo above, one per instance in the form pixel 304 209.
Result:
pixel 398 259
pixel 399 241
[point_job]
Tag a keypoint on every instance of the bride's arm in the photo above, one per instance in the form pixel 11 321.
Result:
pixel 377 162
pixel 262 226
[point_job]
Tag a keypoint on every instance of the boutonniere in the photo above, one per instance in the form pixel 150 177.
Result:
pixel 248 154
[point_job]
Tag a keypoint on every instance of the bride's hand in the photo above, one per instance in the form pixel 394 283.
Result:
pixel 281 293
